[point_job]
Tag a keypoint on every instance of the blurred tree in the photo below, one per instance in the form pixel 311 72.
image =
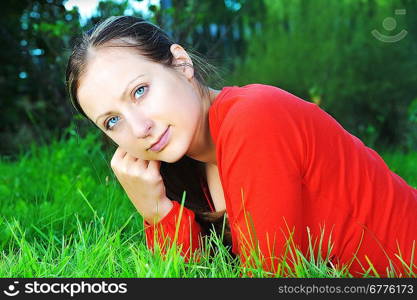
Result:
pixel 35 36
pixel 220 30
pixel 106 9
pixel 324 51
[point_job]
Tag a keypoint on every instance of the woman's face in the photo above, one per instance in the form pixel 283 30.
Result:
pixel 134 101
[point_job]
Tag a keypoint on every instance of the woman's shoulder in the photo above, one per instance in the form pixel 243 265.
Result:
pixel 253 98
pixel 256 101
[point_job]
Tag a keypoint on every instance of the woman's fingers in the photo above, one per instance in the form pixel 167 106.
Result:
pixel 141 181
pixel 133 161
pixel 129 158
pixel 117 157
pixel 119 153
pixel 154 167
pixel 124 161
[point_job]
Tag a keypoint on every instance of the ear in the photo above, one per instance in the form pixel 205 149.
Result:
pixel 182 60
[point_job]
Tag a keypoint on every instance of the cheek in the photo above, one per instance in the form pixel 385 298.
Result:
pixel 120 138
pixel 131 144
pixel 125 141
pixel 187 118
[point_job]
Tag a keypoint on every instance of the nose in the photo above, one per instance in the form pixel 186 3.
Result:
pixel 140 127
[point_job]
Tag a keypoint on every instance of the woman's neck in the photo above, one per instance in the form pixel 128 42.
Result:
pixel 205 150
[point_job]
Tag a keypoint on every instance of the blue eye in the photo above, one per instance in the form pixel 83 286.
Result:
pixel 111 122
pixel 139 91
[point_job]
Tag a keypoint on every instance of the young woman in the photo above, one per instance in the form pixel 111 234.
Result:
pixel 280 168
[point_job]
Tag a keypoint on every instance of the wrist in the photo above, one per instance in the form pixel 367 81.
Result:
pixel 162 209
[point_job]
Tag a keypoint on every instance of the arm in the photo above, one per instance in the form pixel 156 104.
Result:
pixel 144 186
pixel 260 160
pixel 164 231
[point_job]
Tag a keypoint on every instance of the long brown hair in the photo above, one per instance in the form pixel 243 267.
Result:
pixel 186 174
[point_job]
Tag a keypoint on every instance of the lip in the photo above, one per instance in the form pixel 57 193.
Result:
pixel 162 141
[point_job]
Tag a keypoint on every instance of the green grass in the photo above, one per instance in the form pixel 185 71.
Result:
pixel 63 214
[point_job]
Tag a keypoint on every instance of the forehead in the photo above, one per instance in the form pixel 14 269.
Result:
pixel 108 70
pixel 112 63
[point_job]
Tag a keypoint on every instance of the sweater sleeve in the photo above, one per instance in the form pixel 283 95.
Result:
pixel 260 154
pixel 164 232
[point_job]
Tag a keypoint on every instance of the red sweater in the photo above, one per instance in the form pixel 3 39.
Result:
pixel 285 164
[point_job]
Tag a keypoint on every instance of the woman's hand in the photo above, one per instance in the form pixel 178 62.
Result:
pixel 143 184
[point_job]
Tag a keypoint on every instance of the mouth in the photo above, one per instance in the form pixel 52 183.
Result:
pixel 162 141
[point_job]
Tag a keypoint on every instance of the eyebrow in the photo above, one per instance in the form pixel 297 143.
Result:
pixel 121 96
